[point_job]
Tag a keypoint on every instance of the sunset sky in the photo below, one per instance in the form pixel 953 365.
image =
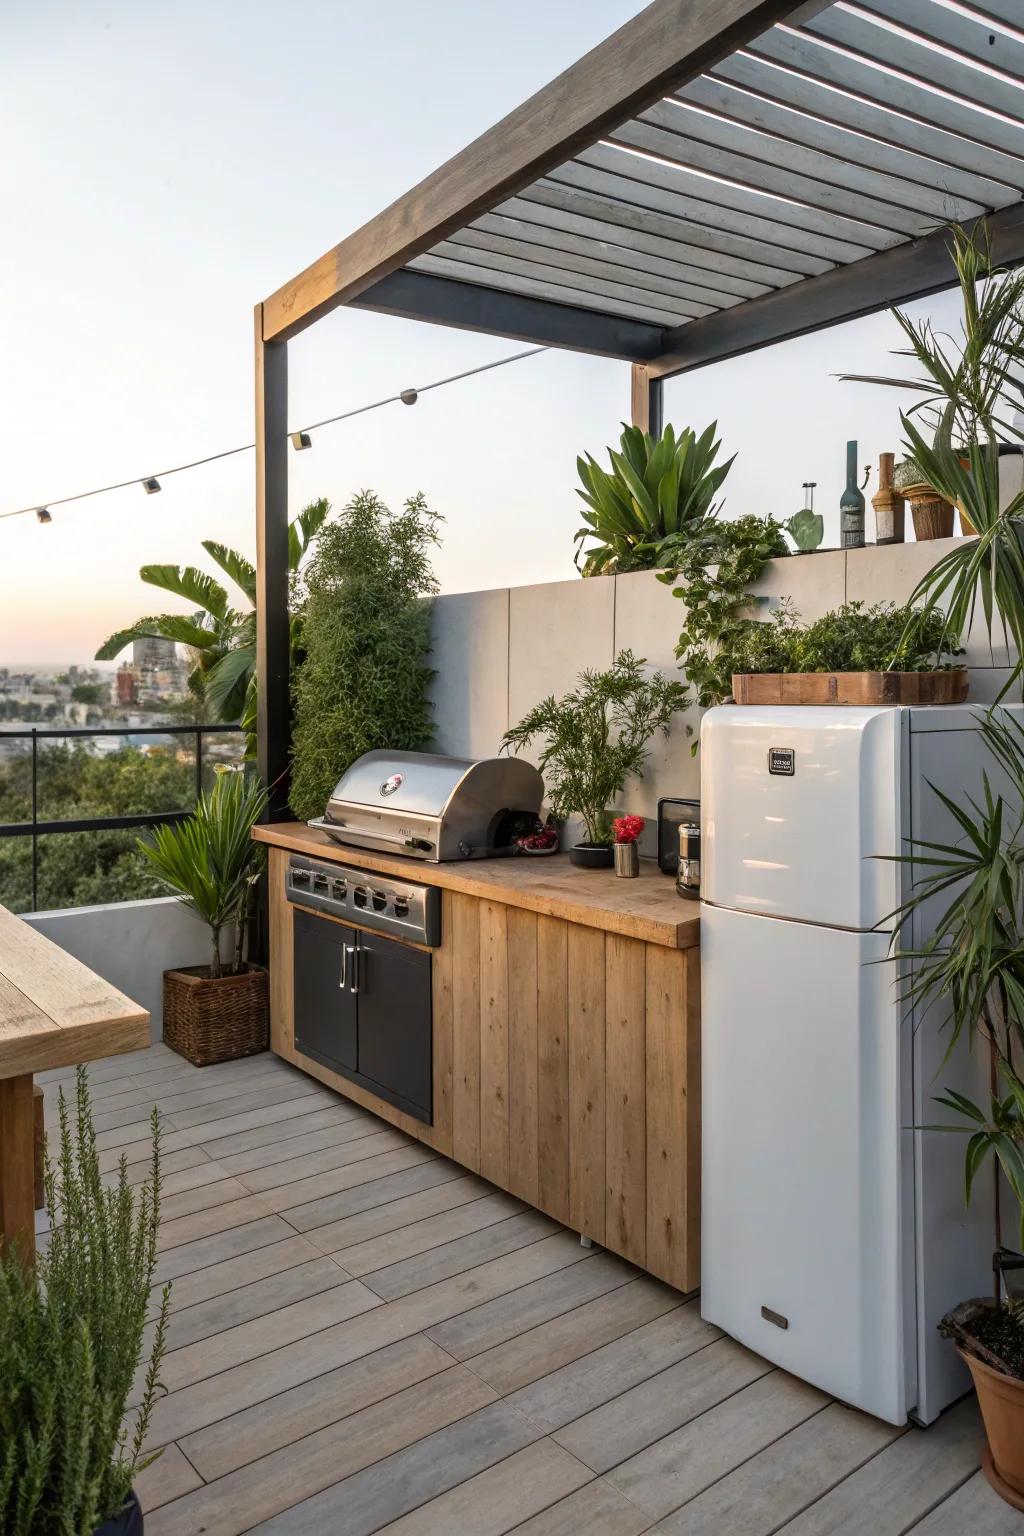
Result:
pixel 169 164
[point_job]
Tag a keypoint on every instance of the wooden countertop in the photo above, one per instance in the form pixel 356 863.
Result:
pixel 54 1011
pixel 646 908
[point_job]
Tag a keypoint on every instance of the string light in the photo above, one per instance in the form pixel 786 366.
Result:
pixel 299 439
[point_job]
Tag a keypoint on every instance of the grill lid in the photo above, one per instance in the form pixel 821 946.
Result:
pixel 417 783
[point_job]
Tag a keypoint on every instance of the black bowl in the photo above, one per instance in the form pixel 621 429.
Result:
pixel 592 855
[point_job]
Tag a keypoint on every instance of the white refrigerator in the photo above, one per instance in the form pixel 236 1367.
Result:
pixel 834 1232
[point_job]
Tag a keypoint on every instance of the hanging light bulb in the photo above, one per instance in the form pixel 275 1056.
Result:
pixel 408 396
pixel 43 516
pixel 150 485
pixel 300 440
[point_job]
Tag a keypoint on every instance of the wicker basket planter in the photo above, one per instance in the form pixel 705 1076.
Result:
pixel 209 1019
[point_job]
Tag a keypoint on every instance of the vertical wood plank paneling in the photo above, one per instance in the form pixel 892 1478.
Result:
pixel 523 1151
pixel 552 1068
pixel 586 1005
pixel 673 1116
pixel 494 1042
pixel 465 939
pixel 625 1139
pixel 282 981
pixel 443 998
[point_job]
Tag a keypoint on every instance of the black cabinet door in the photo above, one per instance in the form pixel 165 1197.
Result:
pixel 325 1004
pixel 395 1024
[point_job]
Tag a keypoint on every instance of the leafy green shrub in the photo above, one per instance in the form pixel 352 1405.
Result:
pixel 847 639
pixel 713 570
pixel 596 736
pixel 655 490
pixel 71 1340
pixel 366 632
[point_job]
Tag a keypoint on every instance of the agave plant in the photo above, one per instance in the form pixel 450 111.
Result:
pixel 657 489
pixel 221 639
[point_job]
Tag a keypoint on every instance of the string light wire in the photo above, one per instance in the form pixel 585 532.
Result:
pixel 227 453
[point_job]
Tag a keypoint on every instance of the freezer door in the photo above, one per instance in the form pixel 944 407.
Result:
pixel 803 1254
pixel 796 803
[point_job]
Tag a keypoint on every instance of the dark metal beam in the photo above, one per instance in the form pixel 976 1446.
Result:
pixel 272 629
pixel 668 44
pixel 896 276
pixel 442 301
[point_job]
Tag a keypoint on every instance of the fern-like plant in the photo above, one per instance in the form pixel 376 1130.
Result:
pixel 72 1331
pixel 657 489
pixel 211 862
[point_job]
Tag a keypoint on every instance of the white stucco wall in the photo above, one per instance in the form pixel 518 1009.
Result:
pixel 498 652
pixel 130 944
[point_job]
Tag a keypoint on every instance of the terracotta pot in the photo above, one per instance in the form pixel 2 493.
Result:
pixel 1001 1400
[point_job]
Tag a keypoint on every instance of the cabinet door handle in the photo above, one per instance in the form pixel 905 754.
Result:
pixel 343 978
pixel 352 954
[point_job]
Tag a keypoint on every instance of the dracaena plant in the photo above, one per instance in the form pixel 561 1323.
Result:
pixel 972 962
pixel 657 489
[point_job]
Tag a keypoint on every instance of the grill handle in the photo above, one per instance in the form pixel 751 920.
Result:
pixel 352 834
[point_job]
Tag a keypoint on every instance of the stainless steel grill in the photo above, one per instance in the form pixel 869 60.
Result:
pixel 431 807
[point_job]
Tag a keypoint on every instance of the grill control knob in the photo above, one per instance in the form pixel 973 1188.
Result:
pixel 300 877
pixel 361 895
pixel 339 890
pixel 401 906
pixel 380 901
pixel 319 882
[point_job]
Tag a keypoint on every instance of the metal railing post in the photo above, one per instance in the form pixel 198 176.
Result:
pixel 35 820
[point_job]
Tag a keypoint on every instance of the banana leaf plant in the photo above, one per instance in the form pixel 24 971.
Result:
pixel 656 490
pixel 220 638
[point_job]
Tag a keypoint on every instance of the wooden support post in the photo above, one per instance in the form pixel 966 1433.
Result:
pixel 39 1146
pixel 647 401
pixel 272 629
pixel 17 1166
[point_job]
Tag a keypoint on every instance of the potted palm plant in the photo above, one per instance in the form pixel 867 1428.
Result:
pixel 595 737
pixel 972 965
pixel 970 387
pixel 72 1332
pixel 215 1012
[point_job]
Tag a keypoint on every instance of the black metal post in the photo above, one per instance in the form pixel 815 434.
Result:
pixel 35 821
pixel 273 642
pixel 199 766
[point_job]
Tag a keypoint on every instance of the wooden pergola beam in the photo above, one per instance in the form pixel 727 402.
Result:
pixel 654 53
pixel 905 272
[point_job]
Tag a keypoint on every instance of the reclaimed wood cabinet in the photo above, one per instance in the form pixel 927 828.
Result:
pixel 566 1060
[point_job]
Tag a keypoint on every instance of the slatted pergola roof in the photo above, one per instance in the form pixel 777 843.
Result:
pixel 716 176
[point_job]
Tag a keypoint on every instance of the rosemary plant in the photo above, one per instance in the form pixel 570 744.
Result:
pixel 71 1340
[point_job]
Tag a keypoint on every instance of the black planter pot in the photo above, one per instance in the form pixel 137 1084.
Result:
pixel 127 1523
pixel 592 855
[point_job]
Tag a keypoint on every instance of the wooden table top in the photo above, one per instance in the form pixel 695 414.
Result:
pixel 54 1011
pixel 646 908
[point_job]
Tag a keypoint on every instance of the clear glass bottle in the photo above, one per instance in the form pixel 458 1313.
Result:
pixel 851 505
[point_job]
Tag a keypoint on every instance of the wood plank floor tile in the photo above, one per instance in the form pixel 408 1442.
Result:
pixel 341 1112
pixel 204 1251
pixel 200 1196
pixel 420 1237
pixel 903 1483
pixel 676 1469
pixel 333 1134
pixel 325 1159
pixel 597 1509
pixel 399 1210
pixel 262 1335
pixel 497 1500
pixel 462 1253
pixel 167 1478
pixel 527 1335
pixel 361 1504
pixel 369 1195
pixel 217 1279
pixel 303 1198
pixel 260 1297
pixel 603 1373
pixel 655 1407
pixel 255 1432
pixel 974 1509
pixel 262 1490
pixel 288 1091
pixel 211 1223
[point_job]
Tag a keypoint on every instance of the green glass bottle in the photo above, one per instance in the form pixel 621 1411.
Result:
pixel 851 505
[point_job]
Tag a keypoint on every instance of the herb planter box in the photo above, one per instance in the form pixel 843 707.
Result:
pixel 949 686
pixel 128 1522
pixel 209 1019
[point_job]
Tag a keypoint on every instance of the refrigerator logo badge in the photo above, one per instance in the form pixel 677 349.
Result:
pixel 782 760
pixel 394 783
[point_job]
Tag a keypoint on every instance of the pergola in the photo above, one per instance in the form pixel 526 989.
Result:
pixel 716 176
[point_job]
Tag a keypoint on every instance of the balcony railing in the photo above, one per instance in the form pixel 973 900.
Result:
pixel 188 780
